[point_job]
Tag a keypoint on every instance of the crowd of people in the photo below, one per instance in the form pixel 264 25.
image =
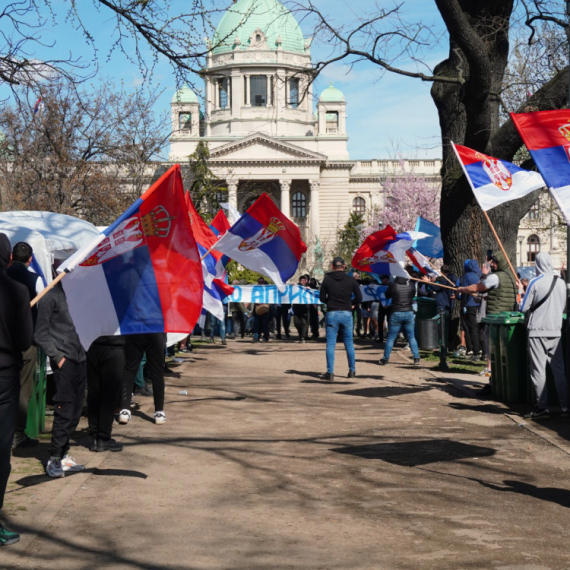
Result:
pixel 116 367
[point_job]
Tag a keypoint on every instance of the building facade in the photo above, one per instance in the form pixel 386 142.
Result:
pixel 263 133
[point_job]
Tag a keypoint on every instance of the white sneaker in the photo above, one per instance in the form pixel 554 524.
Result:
pixel 54 468
pixel 124 417
pixel 159 418
pixel 69 464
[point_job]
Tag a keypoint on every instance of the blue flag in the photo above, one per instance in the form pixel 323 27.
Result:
pixel 429 246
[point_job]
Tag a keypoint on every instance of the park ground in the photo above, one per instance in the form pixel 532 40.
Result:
pixel 263 466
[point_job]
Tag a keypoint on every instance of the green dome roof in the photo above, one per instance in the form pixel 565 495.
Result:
pixel 332 94
pixel 270 16
pixel 185 95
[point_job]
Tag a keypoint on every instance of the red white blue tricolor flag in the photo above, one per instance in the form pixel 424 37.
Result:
pixel 382 252
pixel 546 134
pixel 219 226
pixel 266 241
pixel 142 274
pixel 495 181
pixel 421 263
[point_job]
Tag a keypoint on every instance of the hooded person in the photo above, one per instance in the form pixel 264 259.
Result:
pixel 16 336
pixel 543 305
pixel 469 308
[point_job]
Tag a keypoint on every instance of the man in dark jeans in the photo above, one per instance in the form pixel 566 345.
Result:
pixel 16 335
pixel 402 292
pixel 56 336
pixel 469 308
pixel 21 259
pixel 105 366
pixel 340 293
pixel 153 345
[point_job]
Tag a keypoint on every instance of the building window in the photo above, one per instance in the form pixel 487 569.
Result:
pixel 299 205
pixel 332 122
pixel 258 87
pixel 534 212
pixel 533 248
pixel 185 121
pixel 359 205
pixel 294 92
pixel 224 90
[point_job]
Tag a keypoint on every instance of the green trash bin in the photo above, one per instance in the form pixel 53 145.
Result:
pixel 427 308
pixel 514 366
pixel 37 406
pixel 494 323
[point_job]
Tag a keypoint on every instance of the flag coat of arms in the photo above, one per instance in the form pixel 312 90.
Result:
pixel 382 252
pixel 495 181
pixel 266 241
pixel 142 274
pixel 546 134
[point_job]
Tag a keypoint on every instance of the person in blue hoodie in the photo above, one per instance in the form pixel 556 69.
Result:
pixel 469 307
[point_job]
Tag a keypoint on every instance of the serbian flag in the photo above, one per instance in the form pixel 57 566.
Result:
pixel 546 134
pixel 215 291
pixel 219 226
pixel 38 106
pixel 206 240
pixel 495 181
pixel 266 241
pixel 142 274
pixel 382 252
pixel 420 262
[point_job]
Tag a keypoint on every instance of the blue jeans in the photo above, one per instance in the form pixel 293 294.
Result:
pixel 398 320
pixel 215 322
pixel 340 322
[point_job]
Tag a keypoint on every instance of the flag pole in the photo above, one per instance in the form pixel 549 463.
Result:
pixel 500 244
pixel 437 270
pixel 49 287
pixel 208 252
pixel 429 283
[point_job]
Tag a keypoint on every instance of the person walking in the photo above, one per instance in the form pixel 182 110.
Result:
pixel 402 292
pixel 543 305
pixel 301 314
pixel 341 294
pixel 16 336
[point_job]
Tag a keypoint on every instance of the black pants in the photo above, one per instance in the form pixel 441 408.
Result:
pixel 314 320
pixel 30 357
pixel 9 394
pixel 135 346
pixel 69 396
pixel 238 319
pixel 261 326
pixel 471 330
pixel 302 326
pixel 282 317
pixel 105 367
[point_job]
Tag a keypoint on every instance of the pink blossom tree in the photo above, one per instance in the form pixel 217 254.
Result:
pixel 406 196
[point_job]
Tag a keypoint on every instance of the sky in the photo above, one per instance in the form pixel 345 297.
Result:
pixel 387 115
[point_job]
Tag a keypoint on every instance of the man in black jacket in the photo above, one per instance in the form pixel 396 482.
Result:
pixel 56 336
pixel 16 335
pixel 340 293
pixel 402 292
pixel 18 271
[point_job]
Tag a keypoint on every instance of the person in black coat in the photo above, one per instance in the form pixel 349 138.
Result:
pixel 16 336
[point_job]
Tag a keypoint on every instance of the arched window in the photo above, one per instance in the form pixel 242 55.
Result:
pixel 359 205
pixel 185 121
pixel 299 205
pixel 332 122
pixel 533 247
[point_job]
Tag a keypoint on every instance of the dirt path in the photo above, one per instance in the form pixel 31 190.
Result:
pixel 263 466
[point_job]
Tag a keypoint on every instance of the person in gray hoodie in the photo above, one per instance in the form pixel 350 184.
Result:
pixel 544 304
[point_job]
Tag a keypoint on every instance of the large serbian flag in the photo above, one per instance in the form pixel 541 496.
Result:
pixel 206 240
pixel 546 134
pixel 382 252
pixel 266 241
pixel 495 181
pixel 142 274
pixel 219 226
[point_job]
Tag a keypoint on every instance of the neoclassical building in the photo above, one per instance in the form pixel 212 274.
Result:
pixel 268 131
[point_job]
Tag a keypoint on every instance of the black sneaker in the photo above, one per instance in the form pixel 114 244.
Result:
pixel 93 444
pixel 24 442
pixel 109 445
pixel 351 374
pixel 146 390
pixel 538 414
pixel 329 376
pixel 416 361
pixel 8 537
pixel 383 361
pixel 564 412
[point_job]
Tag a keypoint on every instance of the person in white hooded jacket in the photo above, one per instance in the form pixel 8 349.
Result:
pixel 544 304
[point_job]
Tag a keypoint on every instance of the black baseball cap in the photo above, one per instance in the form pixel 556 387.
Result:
pixel 338 261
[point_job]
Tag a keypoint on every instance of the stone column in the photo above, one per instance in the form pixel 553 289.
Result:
pixel 269 90
pixel 232 195
pixel 208 107
pixel 285 197
pixel 247 88
pixel 315 207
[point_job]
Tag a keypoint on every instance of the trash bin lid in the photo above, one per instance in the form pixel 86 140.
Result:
pixel 504 318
